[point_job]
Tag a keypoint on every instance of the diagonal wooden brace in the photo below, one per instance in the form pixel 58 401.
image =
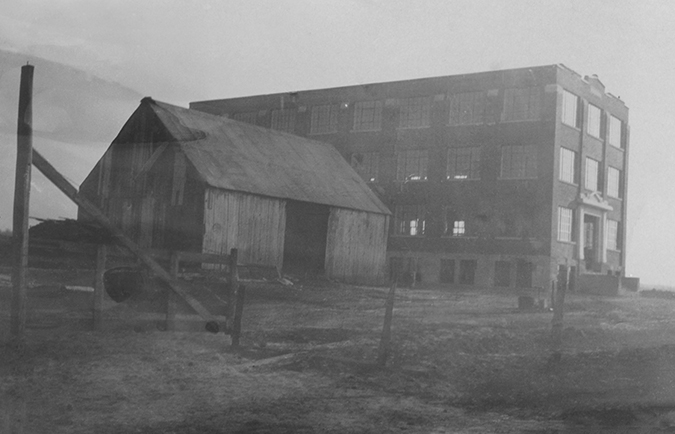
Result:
pixel 69 190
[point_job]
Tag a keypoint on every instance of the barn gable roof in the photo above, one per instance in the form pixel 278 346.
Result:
pixel 237 156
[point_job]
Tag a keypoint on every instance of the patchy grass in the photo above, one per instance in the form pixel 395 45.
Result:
pixel 460 362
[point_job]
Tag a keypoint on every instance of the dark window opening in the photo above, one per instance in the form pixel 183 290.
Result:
pixel 404 271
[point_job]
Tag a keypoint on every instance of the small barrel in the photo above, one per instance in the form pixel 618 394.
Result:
pixel 122 283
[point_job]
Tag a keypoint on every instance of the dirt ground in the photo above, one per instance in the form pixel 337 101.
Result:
pixel 461 362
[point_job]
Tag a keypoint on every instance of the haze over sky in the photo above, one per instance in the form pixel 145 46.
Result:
pixel 185 50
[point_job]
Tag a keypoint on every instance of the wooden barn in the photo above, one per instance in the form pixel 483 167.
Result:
pixel 181 179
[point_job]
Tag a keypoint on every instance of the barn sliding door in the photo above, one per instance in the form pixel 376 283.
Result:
pixel 305 237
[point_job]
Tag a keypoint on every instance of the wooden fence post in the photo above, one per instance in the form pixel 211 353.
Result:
pixel 99 289
pixel 383 351
pixel 238 313
pixel 558 310
pixel 232 287
pixel 24 151
pixel 171 300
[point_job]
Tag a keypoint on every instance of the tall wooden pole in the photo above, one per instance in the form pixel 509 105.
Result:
pixel 24 156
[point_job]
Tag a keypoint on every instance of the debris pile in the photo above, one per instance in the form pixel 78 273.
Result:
pixel 658 293
pixel 65 243
pixel 70 230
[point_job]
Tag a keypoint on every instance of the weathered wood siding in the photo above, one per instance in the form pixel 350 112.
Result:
pixel 253 224
pixel 356 248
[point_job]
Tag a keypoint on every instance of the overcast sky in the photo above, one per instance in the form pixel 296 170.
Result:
pixel 185 50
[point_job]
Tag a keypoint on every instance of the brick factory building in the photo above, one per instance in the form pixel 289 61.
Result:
pixel 495 178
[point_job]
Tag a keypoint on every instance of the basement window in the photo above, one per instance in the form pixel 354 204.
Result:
pixel 467 271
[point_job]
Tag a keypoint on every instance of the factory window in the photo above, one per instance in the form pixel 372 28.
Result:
pixel 594 121
pixel 412 165
pixel 467 108
pixel 405 271
pixel 368 116
pixel 367 165
pixel 613 182
pixel 414 112
pixel 463 163
pixel 522 104
pixel 565 224
pixel 467 271
pixel 591 181
pixel 570 110
pixel 248 117
pixel 612 234
pixel 454 225
pixel 458 228
pixel 324 119
pixel 409 220
pixel 283 120
pixel 519 162
pixel 568 164
pixel 615 132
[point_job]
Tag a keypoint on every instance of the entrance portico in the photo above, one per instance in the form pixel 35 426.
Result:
pixel 591 240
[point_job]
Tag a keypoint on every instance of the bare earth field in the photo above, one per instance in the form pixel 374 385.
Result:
pixel 461 362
